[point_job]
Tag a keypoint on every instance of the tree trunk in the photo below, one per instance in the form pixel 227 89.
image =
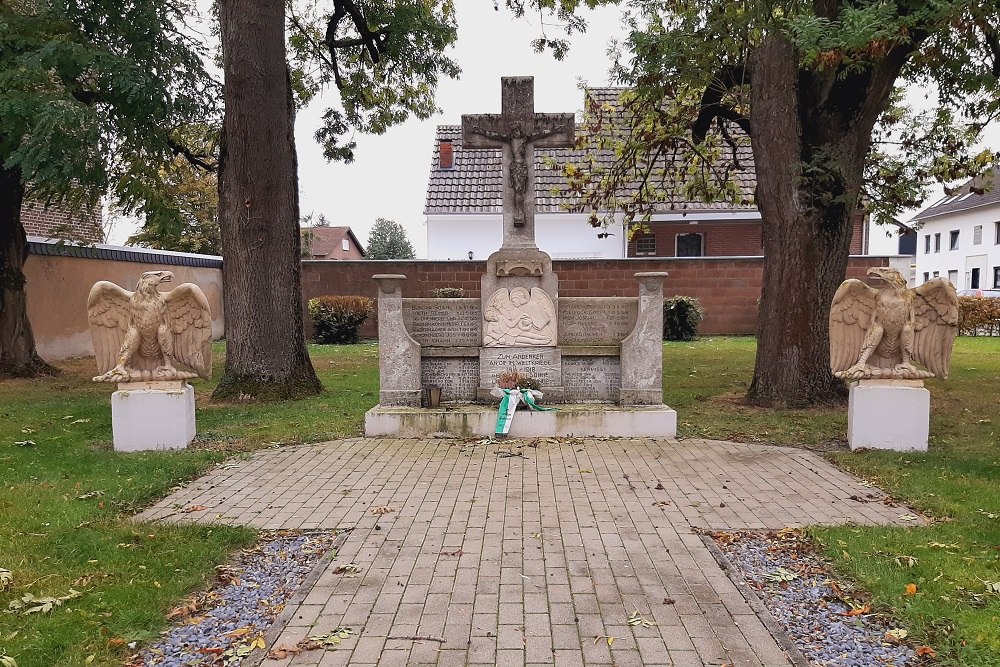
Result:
pixel 806 244
pixel 18 357
pixel 266 353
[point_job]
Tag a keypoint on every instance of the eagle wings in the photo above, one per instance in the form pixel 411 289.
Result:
pixel 112 312
pixel 856 307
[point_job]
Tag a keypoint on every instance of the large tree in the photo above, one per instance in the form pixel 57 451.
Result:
pixel 807 83
pixel 91 94
pixel 384 57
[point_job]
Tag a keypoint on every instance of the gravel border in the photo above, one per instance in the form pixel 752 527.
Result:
pixel 794 599
pixel 228 623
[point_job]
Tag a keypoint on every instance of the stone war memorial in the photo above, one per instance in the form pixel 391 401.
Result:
pixel 877 334
pixel 138 338
pixel 597 359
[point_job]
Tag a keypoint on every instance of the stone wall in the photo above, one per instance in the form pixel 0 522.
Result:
pixel 728 287
pixel 59 279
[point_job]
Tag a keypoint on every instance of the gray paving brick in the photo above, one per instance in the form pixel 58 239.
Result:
pixel 524 561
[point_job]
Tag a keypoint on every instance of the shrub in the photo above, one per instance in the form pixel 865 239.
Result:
pixel 978 316
pixel 449 292
pixel 681 315
pixel 336 318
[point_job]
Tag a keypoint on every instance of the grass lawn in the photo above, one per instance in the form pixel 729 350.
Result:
pixel 65 496
pixel 64 500
pixel 955 563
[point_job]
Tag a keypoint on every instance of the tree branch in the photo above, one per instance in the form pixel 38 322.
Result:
pixel 712 106
pixel 192 157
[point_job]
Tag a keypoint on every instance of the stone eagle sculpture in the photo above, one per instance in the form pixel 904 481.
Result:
pixel 139 336
pixel 880 332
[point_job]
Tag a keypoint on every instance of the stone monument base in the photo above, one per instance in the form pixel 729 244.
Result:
pixel 889 414
pixel 152 415
pixel 470 420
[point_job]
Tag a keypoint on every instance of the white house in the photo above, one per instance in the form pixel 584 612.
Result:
pixel 959 236
pixel 464 203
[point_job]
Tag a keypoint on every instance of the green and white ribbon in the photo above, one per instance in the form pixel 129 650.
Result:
pixel 508 405
pixel 505 415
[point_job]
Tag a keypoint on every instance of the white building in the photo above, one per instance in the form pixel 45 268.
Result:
pixel 959 236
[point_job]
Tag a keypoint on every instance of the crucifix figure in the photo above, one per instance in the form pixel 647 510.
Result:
pixel 518 131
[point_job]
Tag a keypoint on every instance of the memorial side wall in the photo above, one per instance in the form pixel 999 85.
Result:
pixel 727 287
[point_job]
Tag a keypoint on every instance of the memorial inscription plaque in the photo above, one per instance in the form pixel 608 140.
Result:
pixel 592 378
pixel 458 377
pixel 596 320
pixel 542 363
pixel 443 322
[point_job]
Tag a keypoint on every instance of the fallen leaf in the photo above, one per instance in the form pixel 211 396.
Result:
pixel 895 636
pixel 911 589
pixel 6 579
pixel 857 611
pixel 382 509
pixel 281 652
pixel 925 650
pixel 193 508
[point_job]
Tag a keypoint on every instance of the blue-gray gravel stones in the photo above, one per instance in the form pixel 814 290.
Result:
pixel 807 607
pixel 244 603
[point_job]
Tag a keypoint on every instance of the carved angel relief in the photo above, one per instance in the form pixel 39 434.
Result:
pixel 516 318
pixel 139 336
pixel 881 333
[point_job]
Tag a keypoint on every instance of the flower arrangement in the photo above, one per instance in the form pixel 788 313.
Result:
pixel 515 380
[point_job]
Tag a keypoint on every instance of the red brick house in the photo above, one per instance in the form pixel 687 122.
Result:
pixel 55 222
pixel 464 200
pixel 331 243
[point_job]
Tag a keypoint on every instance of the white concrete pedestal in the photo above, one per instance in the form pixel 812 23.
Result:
pixel 152 415
pixel 889 414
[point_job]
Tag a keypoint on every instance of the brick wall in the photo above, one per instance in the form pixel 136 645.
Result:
pixel 728 288
pixel 724 239
pixel 58 223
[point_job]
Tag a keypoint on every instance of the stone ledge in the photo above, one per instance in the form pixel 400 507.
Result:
pixel 464 420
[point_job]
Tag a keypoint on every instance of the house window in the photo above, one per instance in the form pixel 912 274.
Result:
pixel 645 244
pixel 996 239
pixel 977 235
pixel 690 245
pixel 996 277
pixel 953 240
pixel 345 245
pixel 953 277
pixel 936 274
pixel 927 276
pixel 974 278
pixel 937 243
pixel 927 244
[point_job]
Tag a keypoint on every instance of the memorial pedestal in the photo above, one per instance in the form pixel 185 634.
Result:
pixel 467 421
pixel 152 416
pixel 889 414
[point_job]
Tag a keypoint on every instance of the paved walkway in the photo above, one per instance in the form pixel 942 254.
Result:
pixel 524 552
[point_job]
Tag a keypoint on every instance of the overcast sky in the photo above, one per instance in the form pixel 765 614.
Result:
pixel 389 175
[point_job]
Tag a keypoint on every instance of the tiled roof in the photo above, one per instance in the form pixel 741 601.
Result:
pixel 473 185
pixel 975 192
pixel 328 239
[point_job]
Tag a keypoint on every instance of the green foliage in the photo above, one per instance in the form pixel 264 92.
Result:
pixel 189 221
pixel 336 318
pixel 449 292
pixel 388 241
pixel 385 57
pixel 90 92
pixel 681 315
pixel 677 135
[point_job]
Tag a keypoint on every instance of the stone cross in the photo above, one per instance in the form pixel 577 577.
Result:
pixel 518 130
